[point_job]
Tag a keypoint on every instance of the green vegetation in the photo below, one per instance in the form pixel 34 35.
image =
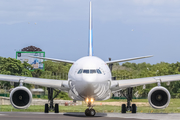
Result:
pixel 59 71
pixel 174 107
pixel 53 70
pixel 132 70
pixel 124 100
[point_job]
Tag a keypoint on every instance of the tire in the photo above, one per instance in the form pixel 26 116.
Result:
pixel 56 110
pixel 92 112
pixel 133 108
pixel 46 110
pixel 87 112
pixel 123 108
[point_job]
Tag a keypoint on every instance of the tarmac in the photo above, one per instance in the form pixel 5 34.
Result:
pixel 81 116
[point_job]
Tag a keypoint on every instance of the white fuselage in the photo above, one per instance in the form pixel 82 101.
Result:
pixel 89 77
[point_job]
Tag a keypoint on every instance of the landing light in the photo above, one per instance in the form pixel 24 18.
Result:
pixel 90 100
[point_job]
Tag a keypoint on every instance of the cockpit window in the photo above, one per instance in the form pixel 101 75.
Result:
pixel 86 71
pixel 92 71
pixel 80 71
pixel 98 71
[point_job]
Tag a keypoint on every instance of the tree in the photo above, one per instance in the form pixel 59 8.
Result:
pixel 10 66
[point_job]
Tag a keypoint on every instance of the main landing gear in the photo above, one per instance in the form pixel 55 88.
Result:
pixel 128 96
pixel 90 111
pixel 50 106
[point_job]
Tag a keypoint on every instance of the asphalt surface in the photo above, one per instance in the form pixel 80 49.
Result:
pixel 81 116
pixel 53 116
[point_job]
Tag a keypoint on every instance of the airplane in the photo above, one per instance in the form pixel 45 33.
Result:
pixel 89 80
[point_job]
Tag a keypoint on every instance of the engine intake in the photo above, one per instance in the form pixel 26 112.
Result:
pixel 159 97
pixel 21 97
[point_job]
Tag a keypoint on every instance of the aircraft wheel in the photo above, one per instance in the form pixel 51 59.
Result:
pixel 46 110
pixel 133 108
pixel 92 112
pixel 123 108
pixel 87 112
pixel 56 108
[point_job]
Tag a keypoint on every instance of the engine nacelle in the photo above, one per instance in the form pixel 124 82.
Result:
pixel 159 97
pixel 21 97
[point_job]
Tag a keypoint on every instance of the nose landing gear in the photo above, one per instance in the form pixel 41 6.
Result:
pixel 90 111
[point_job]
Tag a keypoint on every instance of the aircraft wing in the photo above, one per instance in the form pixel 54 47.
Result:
pixel 123 84
pixel 58 84
pixel 128 59
pixel 52 59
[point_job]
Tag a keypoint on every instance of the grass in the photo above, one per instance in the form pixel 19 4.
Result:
pixel 174 107
pixel 124 100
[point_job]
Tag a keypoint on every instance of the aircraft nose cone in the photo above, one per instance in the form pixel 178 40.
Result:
pixel 90 78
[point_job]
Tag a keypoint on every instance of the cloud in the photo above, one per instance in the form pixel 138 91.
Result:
pixel 131 11
pixel 156 2
pixel 142 11
pixel 39 10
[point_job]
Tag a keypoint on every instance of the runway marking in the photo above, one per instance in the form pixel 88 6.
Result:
pixel 153 116
pixel 55 116
pixel 3 115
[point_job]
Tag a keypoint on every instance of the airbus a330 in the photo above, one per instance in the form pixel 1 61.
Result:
pixel 90 79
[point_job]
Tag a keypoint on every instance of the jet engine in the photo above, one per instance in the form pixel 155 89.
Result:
pixel 21 97
pixel 159 97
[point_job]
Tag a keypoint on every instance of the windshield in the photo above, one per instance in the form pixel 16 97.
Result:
pixel 86 71
pixel 98 71
pixel 80 71
pixel 91 71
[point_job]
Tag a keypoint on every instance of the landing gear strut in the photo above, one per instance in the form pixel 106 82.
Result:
pixel 90 111
pixel 50 106
pixel 128 96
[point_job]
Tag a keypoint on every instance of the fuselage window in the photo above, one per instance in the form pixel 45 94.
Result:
pixel 98 71
pixel 86 71
pixel 92 71
pixel 80 71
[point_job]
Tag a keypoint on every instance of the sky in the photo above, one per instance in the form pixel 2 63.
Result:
pixel 121 28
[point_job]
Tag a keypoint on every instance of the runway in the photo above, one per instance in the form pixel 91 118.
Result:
pixel 81 116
